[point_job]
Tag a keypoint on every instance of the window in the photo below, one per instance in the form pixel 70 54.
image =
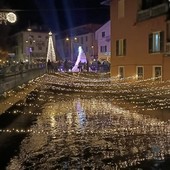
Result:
pixel 140 72
pixel 103 49
pixel 157 73
pixel 156 42
pixel 121 47
pixel 121 72
pixel 121 8
pixel 103 34
pixel 86 38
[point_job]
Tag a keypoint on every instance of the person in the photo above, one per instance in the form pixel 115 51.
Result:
pixel 59 66
pixel 66 65
pixel 80 67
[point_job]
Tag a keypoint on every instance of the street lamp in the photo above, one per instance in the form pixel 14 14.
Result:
pixel 30 41
pixel 70 49
pixel 92 47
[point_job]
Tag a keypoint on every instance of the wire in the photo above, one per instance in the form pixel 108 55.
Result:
pixel 65 9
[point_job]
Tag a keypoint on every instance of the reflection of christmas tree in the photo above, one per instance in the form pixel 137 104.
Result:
pixel 50 51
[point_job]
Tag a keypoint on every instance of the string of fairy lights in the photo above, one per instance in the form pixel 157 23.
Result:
pixel 106 119
pixel 137 93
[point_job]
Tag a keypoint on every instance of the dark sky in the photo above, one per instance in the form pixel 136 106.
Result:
pixel 56 14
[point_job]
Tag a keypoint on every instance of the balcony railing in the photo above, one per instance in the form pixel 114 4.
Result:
pixel 152 12
pixel 159 10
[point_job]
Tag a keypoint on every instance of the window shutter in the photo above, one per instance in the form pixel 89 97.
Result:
pixel 124 47
pixel 150 43
pixel 162 41
pixel 117 47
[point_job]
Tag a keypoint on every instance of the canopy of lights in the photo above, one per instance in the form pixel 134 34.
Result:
pixel 91 121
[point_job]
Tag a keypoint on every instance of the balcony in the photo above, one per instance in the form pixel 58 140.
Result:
pixel 143 15
pixel 159 10
pixel 152 12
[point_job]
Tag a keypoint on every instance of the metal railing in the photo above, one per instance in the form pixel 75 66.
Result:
pixel 152 12
pixel 16 76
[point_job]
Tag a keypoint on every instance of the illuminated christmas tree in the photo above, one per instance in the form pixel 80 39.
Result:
pixel 50 51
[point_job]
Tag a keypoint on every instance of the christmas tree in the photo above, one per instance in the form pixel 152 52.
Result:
pixel 50 51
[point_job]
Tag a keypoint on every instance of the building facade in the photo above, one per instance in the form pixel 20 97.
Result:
pixel 68 41
pixel 102 36
pixel 30 46
pixel 140 31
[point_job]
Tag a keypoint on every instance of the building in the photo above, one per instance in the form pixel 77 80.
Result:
pixel 30 46
pixel 68 41
pixel 140 44
pixel 102 36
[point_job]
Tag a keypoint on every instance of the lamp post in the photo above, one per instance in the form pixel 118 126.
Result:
pixel 70 50
pixel 30 41
pixel 92 48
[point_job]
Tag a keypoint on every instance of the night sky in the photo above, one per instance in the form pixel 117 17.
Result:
pixel 56 14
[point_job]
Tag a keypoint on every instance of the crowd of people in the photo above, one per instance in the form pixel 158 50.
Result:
pixel 66 66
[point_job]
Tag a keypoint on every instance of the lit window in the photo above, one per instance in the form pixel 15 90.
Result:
pixel 121 47
pixel 156 42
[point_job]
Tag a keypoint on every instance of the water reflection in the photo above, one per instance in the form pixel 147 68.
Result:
pixel 91 132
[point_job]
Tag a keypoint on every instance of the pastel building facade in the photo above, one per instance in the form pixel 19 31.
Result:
pixel 103 38
pixel 68 41
pixel 140 39
pixel 30 46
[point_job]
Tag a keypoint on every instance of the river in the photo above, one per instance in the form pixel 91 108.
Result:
pixel 52 130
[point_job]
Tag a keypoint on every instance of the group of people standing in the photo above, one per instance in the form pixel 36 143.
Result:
pixel 52 67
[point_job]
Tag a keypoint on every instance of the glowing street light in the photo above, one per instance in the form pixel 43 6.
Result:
pixel 11 17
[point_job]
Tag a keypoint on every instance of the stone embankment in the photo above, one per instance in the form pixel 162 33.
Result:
pixel 11 97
